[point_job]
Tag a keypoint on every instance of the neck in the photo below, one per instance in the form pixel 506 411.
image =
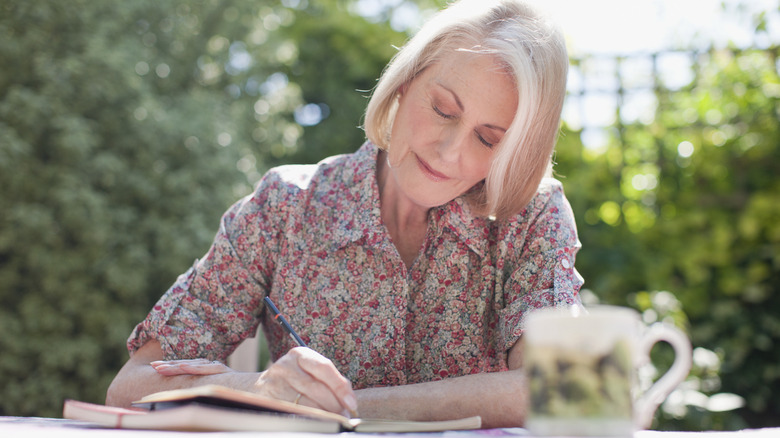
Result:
pixel 397 208
pixel 406 221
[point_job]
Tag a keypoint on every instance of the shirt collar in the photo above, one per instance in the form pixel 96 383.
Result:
pixel 361 217
pixel 363 220
pixel 458 218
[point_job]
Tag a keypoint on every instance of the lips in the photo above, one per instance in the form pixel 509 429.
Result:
pixel 429 172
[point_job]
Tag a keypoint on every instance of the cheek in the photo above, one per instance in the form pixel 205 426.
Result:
pixel 477 165
pixel 413 122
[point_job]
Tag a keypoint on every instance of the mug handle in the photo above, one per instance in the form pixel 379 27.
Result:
pixel 645 407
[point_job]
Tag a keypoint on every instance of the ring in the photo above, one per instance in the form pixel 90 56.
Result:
pixel 297 398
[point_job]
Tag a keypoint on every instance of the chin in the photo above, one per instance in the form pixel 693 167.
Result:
pixel 431 202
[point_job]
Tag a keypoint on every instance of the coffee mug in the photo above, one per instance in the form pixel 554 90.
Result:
pixel 581 369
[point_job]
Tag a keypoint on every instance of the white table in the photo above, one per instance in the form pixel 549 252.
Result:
pixel 12 427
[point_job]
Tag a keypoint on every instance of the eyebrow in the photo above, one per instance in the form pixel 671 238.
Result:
pixel 462 108
pixel 455 96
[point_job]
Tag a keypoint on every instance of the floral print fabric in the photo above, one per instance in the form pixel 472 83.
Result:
pixel 312 238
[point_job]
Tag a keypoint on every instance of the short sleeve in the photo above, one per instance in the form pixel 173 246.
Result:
pixel 215 305
pixel 545 275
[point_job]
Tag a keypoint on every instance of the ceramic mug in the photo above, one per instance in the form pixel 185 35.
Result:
pixel 581 370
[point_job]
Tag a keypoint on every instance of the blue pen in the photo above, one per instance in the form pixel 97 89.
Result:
pixel 278 315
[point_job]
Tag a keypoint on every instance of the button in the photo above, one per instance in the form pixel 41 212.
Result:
pixel 566 264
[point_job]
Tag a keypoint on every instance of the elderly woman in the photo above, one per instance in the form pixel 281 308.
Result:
pixel 407 266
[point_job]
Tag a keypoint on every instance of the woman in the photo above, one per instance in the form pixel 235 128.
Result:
pixel 408 266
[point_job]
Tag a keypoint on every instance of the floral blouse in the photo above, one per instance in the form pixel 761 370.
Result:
pixel 311 237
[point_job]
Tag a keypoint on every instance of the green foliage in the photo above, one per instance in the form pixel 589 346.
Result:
pixel 707 227
pixel 112 183
pixel 339 60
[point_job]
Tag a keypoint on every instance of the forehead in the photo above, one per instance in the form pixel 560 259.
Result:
pixel 461 57
pixel 481 80
pixel 467 67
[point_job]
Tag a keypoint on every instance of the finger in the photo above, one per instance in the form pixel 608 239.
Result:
pixel 313 393
pixel 306 401
pixel 201 370
pixel 214 367
pixel 157 363
pixel 192 368
pixel 285 379
pixel 332 384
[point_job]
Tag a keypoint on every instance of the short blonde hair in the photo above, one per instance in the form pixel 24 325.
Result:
pixel 532 50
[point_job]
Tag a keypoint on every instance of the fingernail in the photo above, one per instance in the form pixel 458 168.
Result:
pixel 351 403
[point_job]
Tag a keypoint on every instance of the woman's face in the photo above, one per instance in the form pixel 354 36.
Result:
pixel 450 119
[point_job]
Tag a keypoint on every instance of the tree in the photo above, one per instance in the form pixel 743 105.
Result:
pixel 689 204
pixel 113 181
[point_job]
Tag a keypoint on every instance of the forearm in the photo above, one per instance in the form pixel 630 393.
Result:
pixel 137 378
pixel 302 375
pixel 499 398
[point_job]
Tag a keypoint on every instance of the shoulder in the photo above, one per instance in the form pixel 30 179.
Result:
pixel 298 189
pixel 286 186
pixel 548 217
pixel 292 179
pixel 549 200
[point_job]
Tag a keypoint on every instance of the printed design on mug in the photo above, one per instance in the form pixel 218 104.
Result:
pixel 567 383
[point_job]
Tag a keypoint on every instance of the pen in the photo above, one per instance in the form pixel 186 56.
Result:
pixel 278 315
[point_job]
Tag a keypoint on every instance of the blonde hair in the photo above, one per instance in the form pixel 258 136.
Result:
pixel 532 50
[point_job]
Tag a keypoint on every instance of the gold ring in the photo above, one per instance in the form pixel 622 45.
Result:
pixel 297 398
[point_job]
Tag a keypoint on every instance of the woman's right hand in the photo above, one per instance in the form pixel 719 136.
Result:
pixel 308 378
pixel 302 376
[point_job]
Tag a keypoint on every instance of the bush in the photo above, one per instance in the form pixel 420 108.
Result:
pixel 708 226
pixel 112 183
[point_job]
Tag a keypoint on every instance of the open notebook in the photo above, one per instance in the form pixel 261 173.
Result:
pixel 217 408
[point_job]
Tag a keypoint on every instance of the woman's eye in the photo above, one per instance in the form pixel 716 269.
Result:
pixel 441 113
pixel 484 142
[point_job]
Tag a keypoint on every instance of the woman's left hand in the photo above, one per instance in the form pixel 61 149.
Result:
pixel 200 367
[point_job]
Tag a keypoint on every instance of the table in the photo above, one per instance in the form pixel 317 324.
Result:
pixel 12 427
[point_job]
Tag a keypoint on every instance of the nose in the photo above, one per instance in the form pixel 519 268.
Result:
pixel 452 145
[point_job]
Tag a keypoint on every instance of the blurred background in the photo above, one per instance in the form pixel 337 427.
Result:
pixel 127 128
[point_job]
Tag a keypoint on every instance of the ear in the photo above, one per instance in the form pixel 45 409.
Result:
pixel 402 89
